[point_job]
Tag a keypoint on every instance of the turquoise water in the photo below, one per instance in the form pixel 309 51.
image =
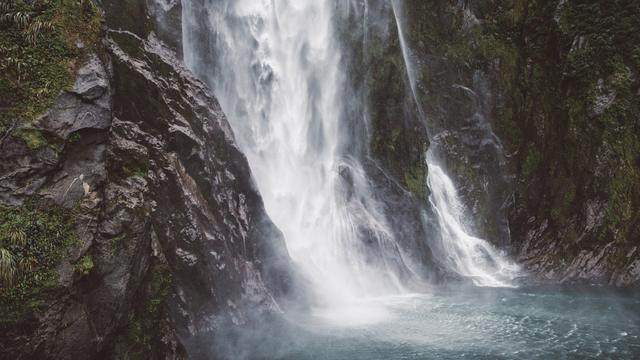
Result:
pixel 469 323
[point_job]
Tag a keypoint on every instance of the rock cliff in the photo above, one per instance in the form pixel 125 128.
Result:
pixel 171 242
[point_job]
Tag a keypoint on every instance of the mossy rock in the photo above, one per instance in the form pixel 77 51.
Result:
pixel 33 138
pixel 143 334
pixel 84 266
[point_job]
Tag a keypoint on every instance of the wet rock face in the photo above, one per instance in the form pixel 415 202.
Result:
pixel 537 126
pixel 68 170
pixel 196 193
pixel 572 132
pixel 465 144
pixel 142 17
pixel 387 134
pixel 75 131
pixel 143 152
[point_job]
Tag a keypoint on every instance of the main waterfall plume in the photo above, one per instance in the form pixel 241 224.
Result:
pixel 275 66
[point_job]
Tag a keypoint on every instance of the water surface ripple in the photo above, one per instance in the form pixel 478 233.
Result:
pixel 469 323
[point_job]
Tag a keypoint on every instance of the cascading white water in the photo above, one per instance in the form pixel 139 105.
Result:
pixel 467 255
pixel 278 76
pixel 276 68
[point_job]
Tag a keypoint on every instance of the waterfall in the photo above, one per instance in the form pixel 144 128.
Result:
pixel 275 67
pixel 459 250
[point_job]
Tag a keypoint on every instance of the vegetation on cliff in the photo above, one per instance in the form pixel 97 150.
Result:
pixel 40 45
pixel 571 118
pixel 397 138
pixel 34 239
pixel 144 331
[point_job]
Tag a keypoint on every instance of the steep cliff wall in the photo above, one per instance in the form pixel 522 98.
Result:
pixel 387 131
pixel 162 239
pixel 557 82
pixel 571 121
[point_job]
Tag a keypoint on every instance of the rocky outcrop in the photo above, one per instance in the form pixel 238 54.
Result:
pixel 194 187
pixel 568 113
pixel 168 213
pixel 543 151
pixel 68 170
pixel 86 108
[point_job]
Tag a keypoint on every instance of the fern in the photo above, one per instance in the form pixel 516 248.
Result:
pixel 35 28
pixel 28 22
pixel 7 267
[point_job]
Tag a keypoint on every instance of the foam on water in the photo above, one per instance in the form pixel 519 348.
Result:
pixel 477 323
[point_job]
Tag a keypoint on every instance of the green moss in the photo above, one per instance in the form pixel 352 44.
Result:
pixel 39 53
pixel 84 266
pixel 398 138
pixel 564 204
pixel 624 202
pixel 33 138
pixel 75 137
pixel 531 162
pixel 118 242
pixel 143 332
pixel 566 76
pixel 137 168
pixel 416 181
pixel 38 237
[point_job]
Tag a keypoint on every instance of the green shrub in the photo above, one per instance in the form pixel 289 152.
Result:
pixel 34 239
pixel 84 266
pixel 39 53
pixel 32 137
